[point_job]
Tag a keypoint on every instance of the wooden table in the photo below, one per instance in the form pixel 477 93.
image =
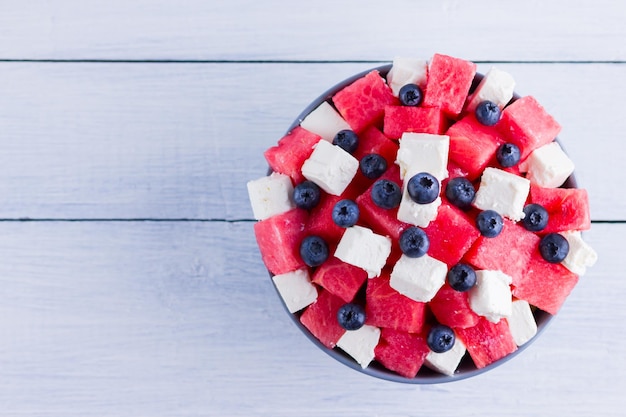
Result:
pixel 130 278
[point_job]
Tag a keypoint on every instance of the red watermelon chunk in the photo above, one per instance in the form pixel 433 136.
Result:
pixel 279 239
pixel 472 145
pixel 487 342
pixel 363 102
pixel 292 150
pixel 451 234
pixel 449 81
pixel 400 119
pixel 543 284
pixel 451 307
pixel 321 223
pixel 508 252
pixel 340 278
pixel 527 124
pixel 372 140
pixel 387 308
pixel 401 352
pixel 321 319
pixel 568 208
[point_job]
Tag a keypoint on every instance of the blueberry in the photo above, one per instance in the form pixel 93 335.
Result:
pixel 553 248
pixel 373 166
pixel 414 242
pixel 346 140
pixel 386 194
pixel 313 250
pixel 460 192
pixel 423 188
pixel 351 316
pixel 411 95
pixel 440 338
pixel 508 155
pixel 536 218
pixel 461 277
pixel 306 195
pixel 488 113
pixel 345 213
pixel 489 223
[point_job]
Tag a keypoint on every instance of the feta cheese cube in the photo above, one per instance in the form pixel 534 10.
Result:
pixel 360 343
pixel 496 86
pixel 325 121
pixel 522 322
pixel 418 278
pixel 417 214
pixel 270 195
pixel 330 167
pixel 548 166
pixel 503 192
pixel 580 255
pixel 423 152
pixel 407 71
pixel 491 296
pixel 296 289
pixel 446 362
pixel 361 247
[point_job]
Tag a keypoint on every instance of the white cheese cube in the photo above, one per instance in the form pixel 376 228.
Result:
pixel 325 121
pixel 270 195
pixel 580 255
pixel 491 296
pixel 330 167
pixel 418 278
pixel 446 362
pixel 361 247
pixel 417 214
pixel 502 192
pixel 522 322
pixel 407 71
pixel 360 343
pixel 496 86
pixel 423 152
pixel 548 166
pixel 296 289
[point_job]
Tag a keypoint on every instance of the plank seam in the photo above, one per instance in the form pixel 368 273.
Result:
pixel 278 61
pixel 165 220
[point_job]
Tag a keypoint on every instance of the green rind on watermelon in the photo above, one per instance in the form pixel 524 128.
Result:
pixel 487 342
pixel 568 208
pixel 449 81
pixel 292 150
pixel 320 318
pixel 451 235
pixel 401 352
pixel 401 119
pixel 339 278
pixel 451 307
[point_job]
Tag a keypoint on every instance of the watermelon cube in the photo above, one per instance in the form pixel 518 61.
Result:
pixel 451 307
pixel 320 222
pixel 400 119
pixel 320 318
pixel 372 140
pixel 568 208
pixel 292 150
pixel 279 239
pixel 340 278
pixel 527 124
pixel 449 81
pixel 487 342
pixel 387 308
pixel 363 102
pixel 451 235
pixel 401 352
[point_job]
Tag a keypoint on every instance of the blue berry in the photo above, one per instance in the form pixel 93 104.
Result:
pixel 346 140
pixel 460 192
pixel 536 218
pixel 488 113
pixel 373 166
pixel 440 338
pixel 414 242
pixel 489 223
pixel 313 250
pixel 411 95
pixel 306 195
pixel 508 155
pixel 461 277
pixel 351 316
pixel 423 188
pixel 553 248
pixel 345 213
pixel 386 194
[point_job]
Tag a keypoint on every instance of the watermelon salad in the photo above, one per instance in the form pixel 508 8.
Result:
pixel 422 216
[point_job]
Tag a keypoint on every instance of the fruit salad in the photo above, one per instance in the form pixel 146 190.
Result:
pixel 421 216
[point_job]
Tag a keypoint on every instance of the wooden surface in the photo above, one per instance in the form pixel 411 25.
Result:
pixel 130 278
